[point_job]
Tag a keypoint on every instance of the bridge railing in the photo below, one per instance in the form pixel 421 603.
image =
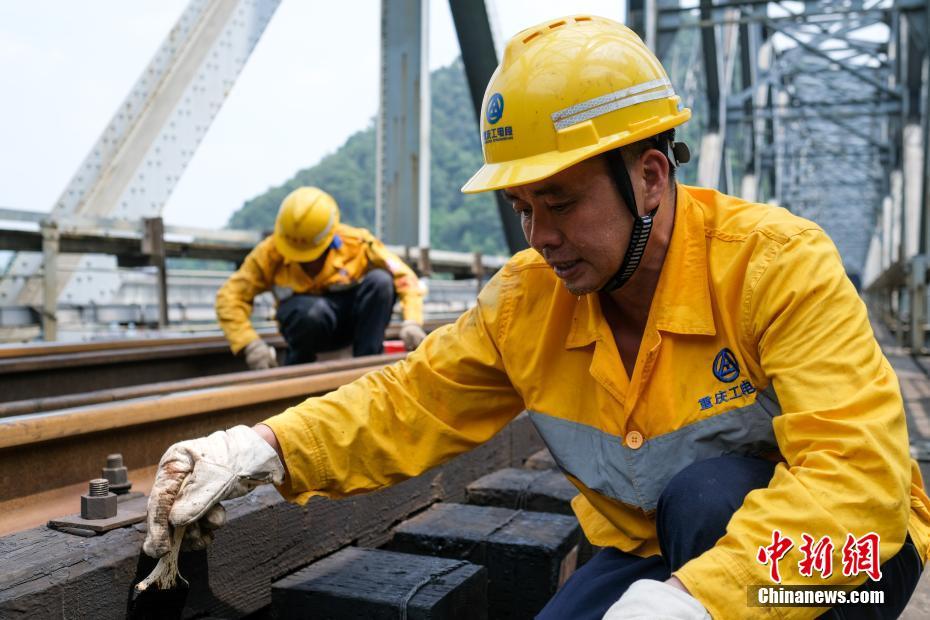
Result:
pixel 149 243
pixel 898 297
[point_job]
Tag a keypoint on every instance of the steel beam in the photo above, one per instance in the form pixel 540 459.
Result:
pixel 749 51
pixel 153 246
pixel 635 17
pixel 402 199
pixel 673 23
pixel 476 42
pixel 663 38
pixel 719 65
pixel 858 73
pixel 132 169
pixel 711 69
pixel 135 164
pixel 710 156
pixel 50 281
pixel 925 194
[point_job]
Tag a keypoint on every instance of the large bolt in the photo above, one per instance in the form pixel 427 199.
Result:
pixel 117 474
pixel 99 503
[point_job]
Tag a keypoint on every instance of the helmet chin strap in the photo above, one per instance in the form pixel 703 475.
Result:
pixel 642 224
pixel 677 153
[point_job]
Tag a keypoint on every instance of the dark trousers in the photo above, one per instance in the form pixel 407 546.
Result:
pixel 692 514
pixel 314 323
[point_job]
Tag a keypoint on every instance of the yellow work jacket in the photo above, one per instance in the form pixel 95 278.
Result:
pixel 355 253
pixel 756 344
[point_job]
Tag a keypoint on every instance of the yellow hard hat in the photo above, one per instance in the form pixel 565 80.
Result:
pixel 566 90
pixel 306 224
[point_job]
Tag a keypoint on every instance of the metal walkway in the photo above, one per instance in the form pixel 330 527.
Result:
pixel 914 376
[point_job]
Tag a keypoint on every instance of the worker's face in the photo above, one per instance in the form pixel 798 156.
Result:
pixel 577 221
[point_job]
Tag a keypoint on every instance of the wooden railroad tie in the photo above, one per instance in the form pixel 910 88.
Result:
pixel 528 554
pixel 372 583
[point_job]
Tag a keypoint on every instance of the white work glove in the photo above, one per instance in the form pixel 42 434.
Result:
pixel 412 334
pixel 194 475
pixel 648 599
pixel 260 356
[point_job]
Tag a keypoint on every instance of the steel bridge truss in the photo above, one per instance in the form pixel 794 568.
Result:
pixel 817 106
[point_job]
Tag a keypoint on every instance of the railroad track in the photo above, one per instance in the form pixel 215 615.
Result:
pixel 55 369
pixel 34 372
pixel 46 456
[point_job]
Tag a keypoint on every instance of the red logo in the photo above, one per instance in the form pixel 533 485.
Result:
pixel 774 552
pixel 861 556
pixel 817 556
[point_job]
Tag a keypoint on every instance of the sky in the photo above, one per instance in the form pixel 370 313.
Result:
pixel 310 83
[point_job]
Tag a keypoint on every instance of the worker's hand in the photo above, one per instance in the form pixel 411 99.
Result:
pixel 647 599
pixel 412 334
pixel 259 355
pixel 194 475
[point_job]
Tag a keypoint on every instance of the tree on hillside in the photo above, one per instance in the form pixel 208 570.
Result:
pixel 457 222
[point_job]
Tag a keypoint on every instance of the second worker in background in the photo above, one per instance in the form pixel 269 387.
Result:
pixel 334 285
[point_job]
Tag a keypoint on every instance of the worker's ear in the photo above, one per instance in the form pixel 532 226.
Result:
pixel 655 171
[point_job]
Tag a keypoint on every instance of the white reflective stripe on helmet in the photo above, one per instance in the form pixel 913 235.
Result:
pixel 321 236
pixel 610 102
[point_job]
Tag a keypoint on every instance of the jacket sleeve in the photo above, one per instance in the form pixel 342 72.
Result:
pixel 841 432
pixel 448 396
pixel 409 288
pixel 234 299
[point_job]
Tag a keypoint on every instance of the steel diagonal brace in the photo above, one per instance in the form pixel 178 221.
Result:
pixel 860 75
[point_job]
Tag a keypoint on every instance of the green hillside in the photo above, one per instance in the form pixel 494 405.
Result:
pixel 457 222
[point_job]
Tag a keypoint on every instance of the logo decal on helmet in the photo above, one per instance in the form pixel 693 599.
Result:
pixel 495 108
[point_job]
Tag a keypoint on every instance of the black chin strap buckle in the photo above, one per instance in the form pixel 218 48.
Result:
pixel 642 227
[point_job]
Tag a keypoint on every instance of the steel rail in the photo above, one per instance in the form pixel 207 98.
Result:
pixel 50 351
pixel 22 430
pixel 59 348
pixel 113 356
pixel 58 371
pixel 67 401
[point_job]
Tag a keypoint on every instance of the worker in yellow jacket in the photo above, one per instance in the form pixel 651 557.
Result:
pixel 700 367
pixel 335 285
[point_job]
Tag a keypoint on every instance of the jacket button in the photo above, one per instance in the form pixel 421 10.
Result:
pixel 634 439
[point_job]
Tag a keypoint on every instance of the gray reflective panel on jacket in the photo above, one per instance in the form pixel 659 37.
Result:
pixel 637 477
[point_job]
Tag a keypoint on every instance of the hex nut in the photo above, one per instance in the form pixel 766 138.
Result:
pixel 99 507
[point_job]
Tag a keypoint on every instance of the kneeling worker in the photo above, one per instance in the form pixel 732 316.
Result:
pixel 335 285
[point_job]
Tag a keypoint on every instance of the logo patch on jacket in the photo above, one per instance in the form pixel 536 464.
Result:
pixel 726 367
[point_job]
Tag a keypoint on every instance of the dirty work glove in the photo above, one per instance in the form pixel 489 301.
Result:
pixel 647 599
pixel 260 356
pixel 412 334
pixel 223 465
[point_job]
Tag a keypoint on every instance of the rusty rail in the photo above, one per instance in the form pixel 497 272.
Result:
pixel 42 452
pixel 16 431
pixel 60 348
pixel 83 399
pixel 42 371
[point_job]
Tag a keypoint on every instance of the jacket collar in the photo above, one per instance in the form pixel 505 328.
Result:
pixel 682 300
pixel 682 303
